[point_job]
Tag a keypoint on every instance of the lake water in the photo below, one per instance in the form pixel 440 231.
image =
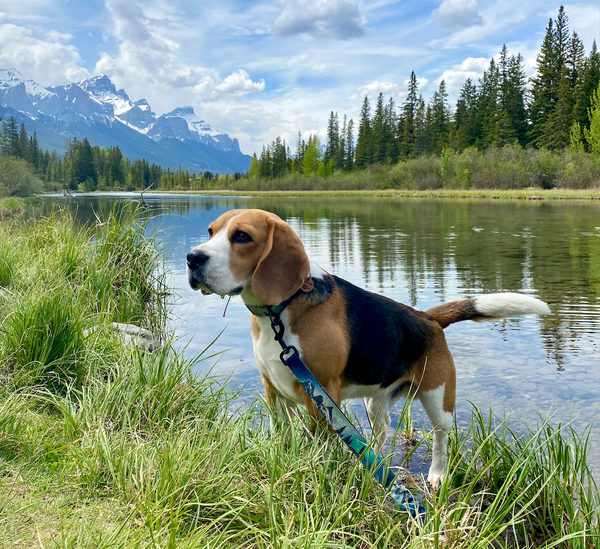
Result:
pixel 423 252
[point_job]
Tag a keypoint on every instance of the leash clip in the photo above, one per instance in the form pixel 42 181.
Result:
pixel 288 349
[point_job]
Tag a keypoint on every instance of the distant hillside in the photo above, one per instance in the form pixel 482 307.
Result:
pixel 95 109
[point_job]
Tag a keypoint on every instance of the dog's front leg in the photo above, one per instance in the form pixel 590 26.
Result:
pixel 279 406
pixel 378 412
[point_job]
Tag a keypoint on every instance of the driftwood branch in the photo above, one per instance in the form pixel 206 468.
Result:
pixel 142 193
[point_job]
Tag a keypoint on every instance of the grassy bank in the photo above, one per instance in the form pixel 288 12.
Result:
pixel 102 445
pixel 10 206
pixel 521 194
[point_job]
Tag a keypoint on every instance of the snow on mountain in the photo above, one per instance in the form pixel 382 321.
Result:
pixel 104 90
pixel 10 78
pixel 183 124
pixel 95 105
pixel 195 125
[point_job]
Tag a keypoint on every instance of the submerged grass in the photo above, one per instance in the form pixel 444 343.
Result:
pixel 102 445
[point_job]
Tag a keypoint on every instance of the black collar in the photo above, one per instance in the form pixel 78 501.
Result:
pixel 264 310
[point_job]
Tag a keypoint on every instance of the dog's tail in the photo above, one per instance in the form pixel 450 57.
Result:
pixel 487 308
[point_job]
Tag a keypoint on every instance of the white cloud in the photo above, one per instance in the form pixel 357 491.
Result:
pixel 455 77
pixel 143 53
pixel 55 36
pixel 373 89
pixel 333 19
pixel 239 83
pixel 457 14
pixel 147 56
pixel 236 84
pixel 46 61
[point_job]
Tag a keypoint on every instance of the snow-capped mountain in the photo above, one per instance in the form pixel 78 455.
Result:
pixel 95 109
pixel 11 78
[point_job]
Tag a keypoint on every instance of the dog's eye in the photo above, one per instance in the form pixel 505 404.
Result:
pixel 210 232
pixel 241 236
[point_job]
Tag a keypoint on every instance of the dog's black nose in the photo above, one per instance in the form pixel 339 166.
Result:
pixel 196 258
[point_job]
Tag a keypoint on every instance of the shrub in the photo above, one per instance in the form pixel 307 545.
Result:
pixel 545 169
pixel 581 171
pixel 17 178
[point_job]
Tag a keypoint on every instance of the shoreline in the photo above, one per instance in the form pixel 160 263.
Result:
pixel 517 194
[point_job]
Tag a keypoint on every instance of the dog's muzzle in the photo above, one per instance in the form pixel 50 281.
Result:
pixel 195 260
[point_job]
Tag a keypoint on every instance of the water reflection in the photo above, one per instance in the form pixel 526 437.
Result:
pixel 424 252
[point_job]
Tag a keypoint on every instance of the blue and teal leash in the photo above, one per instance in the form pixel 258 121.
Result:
pixel 341 424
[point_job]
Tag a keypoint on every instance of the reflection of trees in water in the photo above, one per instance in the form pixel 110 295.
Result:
pixel 522 245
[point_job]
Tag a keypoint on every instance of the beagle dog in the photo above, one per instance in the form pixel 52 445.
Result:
pixel 358 344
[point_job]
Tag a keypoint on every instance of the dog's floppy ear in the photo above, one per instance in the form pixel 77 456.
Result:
pixel 283 266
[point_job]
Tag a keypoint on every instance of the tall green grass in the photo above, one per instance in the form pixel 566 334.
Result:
pixel 164 452
pixel 62 284
pixel 102 445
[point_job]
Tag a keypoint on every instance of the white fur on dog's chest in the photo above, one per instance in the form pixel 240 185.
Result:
pixel 267 351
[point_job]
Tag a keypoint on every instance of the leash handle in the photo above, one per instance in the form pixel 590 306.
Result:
pixel 344 428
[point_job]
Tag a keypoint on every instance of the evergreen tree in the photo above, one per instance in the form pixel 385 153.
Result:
pixel 115 167
pixel 363 154
pixel 279 158
pixel 561 38
pixel 266 166
pixel 545 87
pixel 421 143
pixel 379 133
pixel 492 125
pixel 514 98
pixel 10 137
pixel 300 146
pixel 556 129
pixel 333 138
pixel 392 151
pixel 34 154
pixel 339 160
pixel 23 146
pixel 438 120
pixel 349 153
pixel 464 131
pixel 574 60
pixel 409 112
pixel 84 164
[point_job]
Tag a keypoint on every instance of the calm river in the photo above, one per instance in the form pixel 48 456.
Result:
pixel 423 252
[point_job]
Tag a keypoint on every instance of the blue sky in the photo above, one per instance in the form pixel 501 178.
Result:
pixel 257 69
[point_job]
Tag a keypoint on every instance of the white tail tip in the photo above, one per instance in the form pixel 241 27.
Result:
pixel 508 304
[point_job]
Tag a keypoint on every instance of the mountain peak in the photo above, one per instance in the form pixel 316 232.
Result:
pixel 186 110
pixel 99 85
pixel 10 75
pixel 9 78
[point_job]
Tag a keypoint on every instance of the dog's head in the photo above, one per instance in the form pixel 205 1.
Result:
pixel 249 251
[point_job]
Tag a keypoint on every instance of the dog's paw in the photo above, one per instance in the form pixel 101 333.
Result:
pixel 436 476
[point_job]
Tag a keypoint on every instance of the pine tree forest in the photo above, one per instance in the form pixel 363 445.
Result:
pixel 553 112
pixel 87 168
